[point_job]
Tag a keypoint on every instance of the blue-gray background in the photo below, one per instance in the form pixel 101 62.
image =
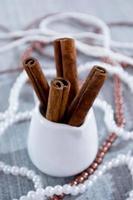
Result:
pixel 15 15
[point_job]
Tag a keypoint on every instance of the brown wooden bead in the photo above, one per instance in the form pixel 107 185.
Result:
pixel 100 149
pixel 112 137
pixel 108 145
pixel 74 182
pixel 84 175
pixel 105 149
pixel 90 170
pixel 101 154
pixel 94 165
pixel 76 179
pixel 80 179
pixel 99 160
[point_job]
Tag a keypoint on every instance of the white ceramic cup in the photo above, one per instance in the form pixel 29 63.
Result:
pixel 59 149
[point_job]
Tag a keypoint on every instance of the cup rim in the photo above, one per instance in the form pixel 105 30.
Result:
pixel 62 125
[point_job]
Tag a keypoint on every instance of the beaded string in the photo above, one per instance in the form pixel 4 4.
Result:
pixel 120 120
pixel 38 46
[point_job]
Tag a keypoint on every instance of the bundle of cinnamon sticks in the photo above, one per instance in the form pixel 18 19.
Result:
pixel 63 101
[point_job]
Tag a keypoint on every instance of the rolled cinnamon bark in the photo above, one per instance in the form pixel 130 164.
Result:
pixel 65 59
pixel 58 58
pixel 58 99
pixel 85 98
pixel 38 81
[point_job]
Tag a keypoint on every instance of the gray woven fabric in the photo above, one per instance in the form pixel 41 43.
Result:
pixel 115 184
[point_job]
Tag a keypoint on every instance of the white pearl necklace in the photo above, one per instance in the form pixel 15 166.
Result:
pixel 49 191
pixel 22 171
pixel 44 34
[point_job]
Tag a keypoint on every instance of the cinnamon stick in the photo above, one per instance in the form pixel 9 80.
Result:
pixel 58 99
pixel 38 80
pixel 85 98
pixel 65 59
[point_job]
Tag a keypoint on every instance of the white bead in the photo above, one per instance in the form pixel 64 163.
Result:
pixel 131 194
pixel 58 189
pixel 2 129
pixel 10 120
pixel 30 174
pixel 14 108
pixel 36 178
pixel 109 165
pixel 75 191
pixel 15 170
pixel 38 185
pixel 82 188
pixel 116 163
pixel 7 169
pixel 99 172
pixel 102 167
pixel 127 136
pixel 67 189
pixel 31 194
pixel 93 178
pixel 2 165
pixel 23 198
pixel 127 159
pixel 122 158
pixel 88 183
pixel 38 197
pixel 41 192
pixel 23 171
pixel 49 191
